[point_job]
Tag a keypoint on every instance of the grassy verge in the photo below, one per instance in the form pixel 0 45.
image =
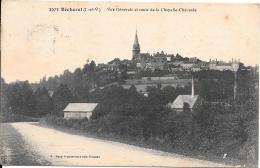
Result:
pixel 84 128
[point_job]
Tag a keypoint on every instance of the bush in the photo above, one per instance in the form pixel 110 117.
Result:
pixel 54 120
pixel 17 118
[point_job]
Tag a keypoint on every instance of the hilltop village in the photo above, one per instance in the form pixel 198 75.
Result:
pixel 161 68
pixel 146 70
pixel 161 61
pixel 163 101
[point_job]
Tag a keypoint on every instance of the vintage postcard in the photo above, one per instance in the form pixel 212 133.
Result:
pixel 129 84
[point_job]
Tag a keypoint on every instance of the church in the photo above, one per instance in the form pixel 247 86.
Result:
pixel 136 48
pixel 145 61
pixel 191 100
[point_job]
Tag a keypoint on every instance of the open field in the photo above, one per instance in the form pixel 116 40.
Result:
pixel 44 146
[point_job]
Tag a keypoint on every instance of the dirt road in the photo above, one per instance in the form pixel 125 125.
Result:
pixel 60 148
pixel 14 150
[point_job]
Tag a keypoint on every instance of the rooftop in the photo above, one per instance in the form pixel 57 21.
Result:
pixel 181 99
pixel 80 107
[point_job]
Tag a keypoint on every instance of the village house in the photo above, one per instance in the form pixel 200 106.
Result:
pixel 187 66
pixel 169 58
pixel 223 66
pixel 79 110
pixel 191 100
pixel 196 68
pixel 50 92
pixel 194 59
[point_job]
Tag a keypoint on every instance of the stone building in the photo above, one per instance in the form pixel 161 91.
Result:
pixel 223 66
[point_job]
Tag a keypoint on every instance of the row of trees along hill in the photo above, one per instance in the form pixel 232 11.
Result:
pixel 52 94
pixel 220 125
pixel 215 128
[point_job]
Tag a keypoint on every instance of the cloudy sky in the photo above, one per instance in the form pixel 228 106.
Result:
pixel 37 42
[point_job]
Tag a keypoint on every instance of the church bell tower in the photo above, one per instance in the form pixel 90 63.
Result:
pixel 136 48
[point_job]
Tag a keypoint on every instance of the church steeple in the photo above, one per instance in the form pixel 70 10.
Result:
pixel 136 47
pixel 136 38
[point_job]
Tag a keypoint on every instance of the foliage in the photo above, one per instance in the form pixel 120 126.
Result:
pixel 61 97
pixel 43 102
pixel 19 99
pixel 220 125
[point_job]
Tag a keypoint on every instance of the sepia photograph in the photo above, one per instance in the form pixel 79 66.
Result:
pixel 131 84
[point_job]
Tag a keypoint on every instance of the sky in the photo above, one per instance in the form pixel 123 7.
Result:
pixel 36 42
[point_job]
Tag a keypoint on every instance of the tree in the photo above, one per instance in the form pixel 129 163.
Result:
pixel 89 68
pixel 123 75
pixel 89 76
pixel 169 93
pixel 3 94
pixel 186 108
pixel 43 101
pixel 61 97
pixel 20 98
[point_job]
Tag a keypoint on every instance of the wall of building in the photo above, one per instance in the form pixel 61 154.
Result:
pixel 77 115
pixel 160 78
